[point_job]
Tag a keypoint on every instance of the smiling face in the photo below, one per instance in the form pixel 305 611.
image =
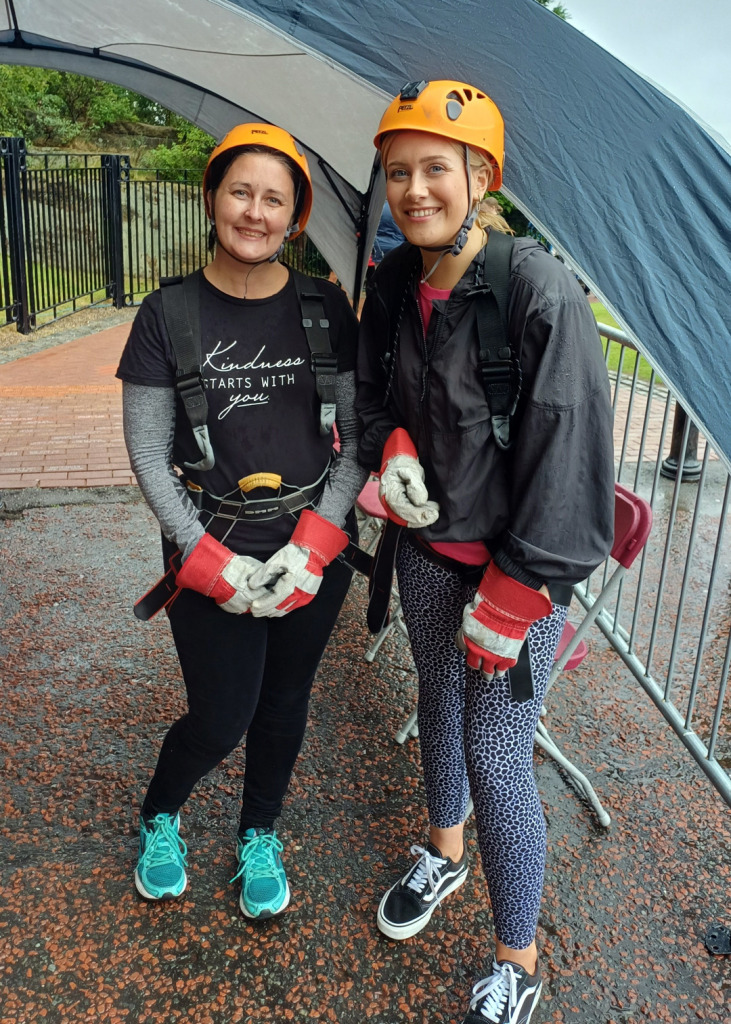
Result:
pixel 252 208
pixel 426 186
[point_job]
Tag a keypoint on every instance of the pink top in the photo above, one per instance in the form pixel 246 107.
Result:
pixel 428 295
pixel 472 552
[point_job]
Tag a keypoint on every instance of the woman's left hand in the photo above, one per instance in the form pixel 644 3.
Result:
pixel 293 575
pixel 495 623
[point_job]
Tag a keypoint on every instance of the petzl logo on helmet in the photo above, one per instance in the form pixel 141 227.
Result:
pixel 258 131
pixel 405 106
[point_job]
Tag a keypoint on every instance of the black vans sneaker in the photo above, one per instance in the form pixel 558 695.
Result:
pixel 408 905
pixel 508 996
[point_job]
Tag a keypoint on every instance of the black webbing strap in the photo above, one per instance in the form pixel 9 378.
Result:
pixel 380 580
pixel 521 677
pixel 499 367
pixel 323 361
pixel 181 310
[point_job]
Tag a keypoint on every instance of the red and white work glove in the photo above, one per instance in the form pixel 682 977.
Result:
pixel 212 569
pixel 402 490
pixel 291 577
pixel 495 623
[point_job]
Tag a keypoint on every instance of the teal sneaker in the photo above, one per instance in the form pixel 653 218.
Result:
pixel 160 872
pixel 264 886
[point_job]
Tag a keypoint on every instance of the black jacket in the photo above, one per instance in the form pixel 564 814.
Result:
pixel 545 507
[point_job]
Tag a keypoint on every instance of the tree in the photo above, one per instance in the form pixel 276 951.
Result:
pixel 189 153
pixel 28 106
pixel 555 8
pixel 52 108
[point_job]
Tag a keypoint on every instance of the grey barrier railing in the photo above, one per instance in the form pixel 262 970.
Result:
pixel 85 229
pixel 671 623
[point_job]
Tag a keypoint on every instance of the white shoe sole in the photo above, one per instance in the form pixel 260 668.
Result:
pixel 405 931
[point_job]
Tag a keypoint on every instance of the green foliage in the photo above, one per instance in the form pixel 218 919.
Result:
pixel 53 108
pixel 50 108
pixel 185 159
pixel 555 8
pixel 512 214
pixel 30 109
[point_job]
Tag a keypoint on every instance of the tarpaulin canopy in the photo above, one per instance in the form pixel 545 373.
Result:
pixel 620 177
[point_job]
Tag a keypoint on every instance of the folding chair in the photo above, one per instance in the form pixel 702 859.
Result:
pixel 632 525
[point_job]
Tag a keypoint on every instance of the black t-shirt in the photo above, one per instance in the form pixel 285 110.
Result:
pixel 263 409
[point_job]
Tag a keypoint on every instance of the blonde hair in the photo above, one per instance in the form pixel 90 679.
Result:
pixel 489 213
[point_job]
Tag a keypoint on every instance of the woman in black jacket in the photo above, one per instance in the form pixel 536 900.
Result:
pixel 503 512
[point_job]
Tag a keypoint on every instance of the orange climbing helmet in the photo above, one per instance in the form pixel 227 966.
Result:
pixel 453 110
pixel 272 137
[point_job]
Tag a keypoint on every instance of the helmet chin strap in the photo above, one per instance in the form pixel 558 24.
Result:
pixel 455 248
pixel 292 228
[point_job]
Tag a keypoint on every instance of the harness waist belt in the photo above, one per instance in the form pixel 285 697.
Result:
pixel 255 509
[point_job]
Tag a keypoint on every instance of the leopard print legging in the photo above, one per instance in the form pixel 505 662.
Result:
pixel 475 738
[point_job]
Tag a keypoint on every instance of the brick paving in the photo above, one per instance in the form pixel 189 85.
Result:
pixel 61 415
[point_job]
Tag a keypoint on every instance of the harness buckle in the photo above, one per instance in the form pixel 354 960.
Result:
pixel 327 417
pixel 191 389
pixel 324 362
pixel 502 380
pixel 233 505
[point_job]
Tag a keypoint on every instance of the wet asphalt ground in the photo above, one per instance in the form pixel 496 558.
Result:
pixel 88 694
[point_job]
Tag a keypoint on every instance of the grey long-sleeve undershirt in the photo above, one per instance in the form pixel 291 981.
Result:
pixel 149 429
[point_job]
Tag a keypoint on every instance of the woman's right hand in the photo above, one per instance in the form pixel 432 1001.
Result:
pixel 214 570
pixel 401 488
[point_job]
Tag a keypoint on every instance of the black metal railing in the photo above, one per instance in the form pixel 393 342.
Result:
pixel 81 229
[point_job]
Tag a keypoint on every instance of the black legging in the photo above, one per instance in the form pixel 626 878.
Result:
pixel 243 676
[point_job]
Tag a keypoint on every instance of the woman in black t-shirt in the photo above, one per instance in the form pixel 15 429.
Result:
pixel 260 516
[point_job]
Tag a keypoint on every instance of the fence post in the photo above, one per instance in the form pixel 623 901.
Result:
pixel 691 465
pixel 115 170
pixel 13 151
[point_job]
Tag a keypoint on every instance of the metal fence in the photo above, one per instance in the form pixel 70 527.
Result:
pixel 671 623
pixel 85 229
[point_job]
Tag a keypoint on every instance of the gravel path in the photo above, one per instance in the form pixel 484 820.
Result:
pixel 88 693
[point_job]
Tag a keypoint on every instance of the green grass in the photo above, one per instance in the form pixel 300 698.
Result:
pixel 630 356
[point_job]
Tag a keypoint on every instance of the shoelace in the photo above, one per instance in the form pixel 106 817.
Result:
pixel 259 855
pixel 502 985
pixel 162 835
pixel 426 871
